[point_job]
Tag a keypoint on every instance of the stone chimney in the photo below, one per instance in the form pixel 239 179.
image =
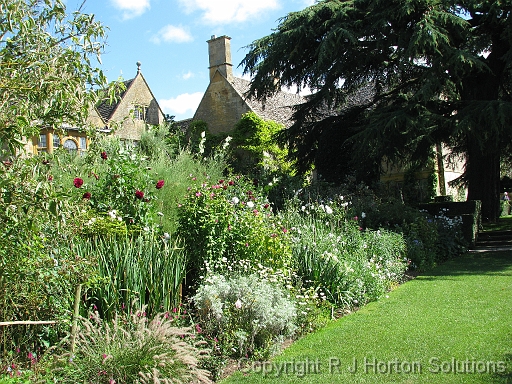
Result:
pixel 219 52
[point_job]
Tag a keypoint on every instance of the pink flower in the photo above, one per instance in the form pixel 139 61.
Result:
pixel 198 194
pixel 356 218
pixel 285 230
pixel 159 184
pixel 198 329
pixel 238 304
pixel 255 211
pixel 104 155
pixel 86 195
pixel 78 182
pixel 139 194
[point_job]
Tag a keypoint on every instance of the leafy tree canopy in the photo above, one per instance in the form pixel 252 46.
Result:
pixel 394 78
pixel 46 74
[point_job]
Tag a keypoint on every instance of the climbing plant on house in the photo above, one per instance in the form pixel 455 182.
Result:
pixel 255 145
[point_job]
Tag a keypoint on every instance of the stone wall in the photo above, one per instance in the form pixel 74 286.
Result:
pixel 138 94
pixel 221 106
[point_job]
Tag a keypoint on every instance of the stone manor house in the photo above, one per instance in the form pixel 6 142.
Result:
pixel 221 107
pixel 135 109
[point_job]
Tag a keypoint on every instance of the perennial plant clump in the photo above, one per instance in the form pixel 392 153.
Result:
pixel 129 349
pixel 230 219
pixel 246 314
pixel 333 254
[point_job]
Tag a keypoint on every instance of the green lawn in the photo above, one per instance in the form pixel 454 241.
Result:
pixel 452 325
pixel 503 223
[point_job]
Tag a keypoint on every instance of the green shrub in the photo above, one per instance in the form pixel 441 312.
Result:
pixel 246 314
pixel 229 219
pixel 118 180
pixel 38 270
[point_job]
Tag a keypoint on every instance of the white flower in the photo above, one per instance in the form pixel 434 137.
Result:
pixel 250 204
pixel 363 215
pixel 112 214
pixel 328 210
pixel 159 213
pixel 235 200
pixel 238 304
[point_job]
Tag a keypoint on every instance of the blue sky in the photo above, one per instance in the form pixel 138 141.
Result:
pixel 169 38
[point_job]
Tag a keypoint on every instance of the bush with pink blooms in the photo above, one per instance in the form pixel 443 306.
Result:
pixel 229 218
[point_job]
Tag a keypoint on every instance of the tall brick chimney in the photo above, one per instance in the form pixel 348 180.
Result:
pixel 219 52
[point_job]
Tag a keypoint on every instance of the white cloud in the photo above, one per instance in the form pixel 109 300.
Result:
pixel 228 11
pixel 131 8
pixel 172 34
pixel 187 75
pixel 181 104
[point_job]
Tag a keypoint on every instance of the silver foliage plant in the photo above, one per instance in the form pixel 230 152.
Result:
pixel 246 313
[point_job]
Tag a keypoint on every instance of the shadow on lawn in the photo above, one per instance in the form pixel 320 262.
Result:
pixel 481 263
pixel 507 375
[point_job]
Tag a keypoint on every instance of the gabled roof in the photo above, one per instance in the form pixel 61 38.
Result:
pixel 277 108
pixel 105 109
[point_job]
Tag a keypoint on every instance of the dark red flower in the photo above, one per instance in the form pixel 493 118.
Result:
pixel 159 184
pixel 231 182
pixel 78 182
pixel 266 206
pixel 50 178
pixel 139 194
pixel 221 181
pixel 86 195
pixel 104 155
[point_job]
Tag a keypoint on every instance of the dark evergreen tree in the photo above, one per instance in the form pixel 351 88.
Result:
pixel 397 77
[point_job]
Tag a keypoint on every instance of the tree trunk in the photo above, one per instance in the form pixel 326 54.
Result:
pixel 483 175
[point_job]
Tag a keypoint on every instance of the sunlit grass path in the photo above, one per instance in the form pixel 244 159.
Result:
pixel 452 325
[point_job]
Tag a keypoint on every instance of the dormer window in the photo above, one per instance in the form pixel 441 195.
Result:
pixel 140 112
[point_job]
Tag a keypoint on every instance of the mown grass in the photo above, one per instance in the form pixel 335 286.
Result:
pixel 430 326
pixel 504 223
